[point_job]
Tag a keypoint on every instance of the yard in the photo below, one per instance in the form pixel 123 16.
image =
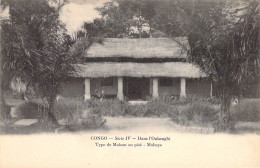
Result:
pixel 190 115
pixel 187 147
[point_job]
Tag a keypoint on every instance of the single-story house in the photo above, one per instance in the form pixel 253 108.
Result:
pixel 137 69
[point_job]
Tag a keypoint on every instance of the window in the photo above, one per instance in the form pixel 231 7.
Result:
pixel 107 82
pixel 166 82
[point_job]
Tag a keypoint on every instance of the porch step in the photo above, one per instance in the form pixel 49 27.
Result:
pixel 25 122
pixel 137 102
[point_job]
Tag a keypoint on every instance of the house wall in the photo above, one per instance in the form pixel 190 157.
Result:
pixel 74 88
pixel 195 87
pixel 198 87
pixel 174 89
pixel 95 84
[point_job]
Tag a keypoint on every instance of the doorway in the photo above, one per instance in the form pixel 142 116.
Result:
pixel 136 88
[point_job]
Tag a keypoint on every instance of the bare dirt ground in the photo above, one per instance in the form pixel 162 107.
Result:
pixel 184 149
pixel 79 150
pixel 133 124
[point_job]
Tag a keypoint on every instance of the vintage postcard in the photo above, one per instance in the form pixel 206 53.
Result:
pixel 130 83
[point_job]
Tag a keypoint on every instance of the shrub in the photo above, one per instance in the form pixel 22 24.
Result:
pixel 5 111
pixel 137 110
pixel 174 99
pixel 197 113
pixel 246 110
pixel 157 107
pixel 6 121
pixel 30 110
pixel 174 113
pixel 177 100
pixel 108 107
pixel 213 100
pixel 77 114
pixel 69 110
pixel 224 124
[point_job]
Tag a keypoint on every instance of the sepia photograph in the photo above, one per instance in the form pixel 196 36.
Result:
pixel 130 83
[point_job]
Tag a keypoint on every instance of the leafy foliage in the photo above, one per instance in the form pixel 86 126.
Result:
pixel 223 40
pixel 120 19
pixel 30 110
pixel 107 107
pixel 36 48
pixel 246 110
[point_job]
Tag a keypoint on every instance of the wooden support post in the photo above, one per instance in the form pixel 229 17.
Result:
pixel 120 94
pixel 87 95
pixel 151 86
pixel 155 88
pixel 183 87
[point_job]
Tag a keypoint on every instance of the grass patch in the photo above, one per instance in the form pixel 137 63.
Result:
pixel 70 112
pixel 31 110
pixel 107 107
pixel 246 110
pixel 136 110
pixel 197 113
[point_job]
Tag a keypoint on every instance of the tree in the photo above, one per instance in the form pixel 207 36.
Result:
pixel 36 49
pixel 223 40
pixel 121 18
pixel 116 21
pixel 139 18
pixel 168 19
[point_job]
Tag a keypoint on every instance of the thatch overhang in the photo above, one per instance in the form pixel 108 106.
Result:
pixel 126 69
pixel 138 48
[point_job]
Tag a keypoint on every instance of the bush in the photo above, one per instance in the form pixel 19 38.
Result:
pixel 224 124
pixel 198 112
pixel 246 110
pixel 158 107
pixel 177 100
pixel 5 111
pixel 30 110
pixel 137 110
pixel 174 113
pixel 107 107
pixel 162 106
pixel 71 111
pixel 77 114
pixel 6 120
pixel 115 107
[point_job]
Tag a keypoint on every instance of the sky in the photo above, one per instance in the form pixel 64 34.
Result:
pixel 75 13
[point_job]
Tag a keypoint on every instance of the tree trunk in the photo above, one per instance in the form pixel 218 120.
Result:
pixel 2 101
pixel 50 114
pixel 225 122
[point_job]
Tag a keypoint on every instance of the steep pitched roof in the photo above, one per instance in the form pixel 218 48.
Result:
pixel 138 48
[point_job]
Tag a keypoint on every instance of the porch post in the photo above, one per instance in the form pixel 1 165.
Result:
pixel 151 86
pixel 120 94
pixel 155 88
pixel 183 87
pixel 87 89
pixel 211 90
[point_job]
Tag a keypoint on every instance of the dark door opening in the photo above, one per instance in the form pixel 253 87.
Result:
pixel 136 88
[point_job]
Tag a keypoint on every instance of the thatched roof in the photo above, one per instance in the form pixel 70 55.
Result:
pixel 115 69
pixel 138 48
